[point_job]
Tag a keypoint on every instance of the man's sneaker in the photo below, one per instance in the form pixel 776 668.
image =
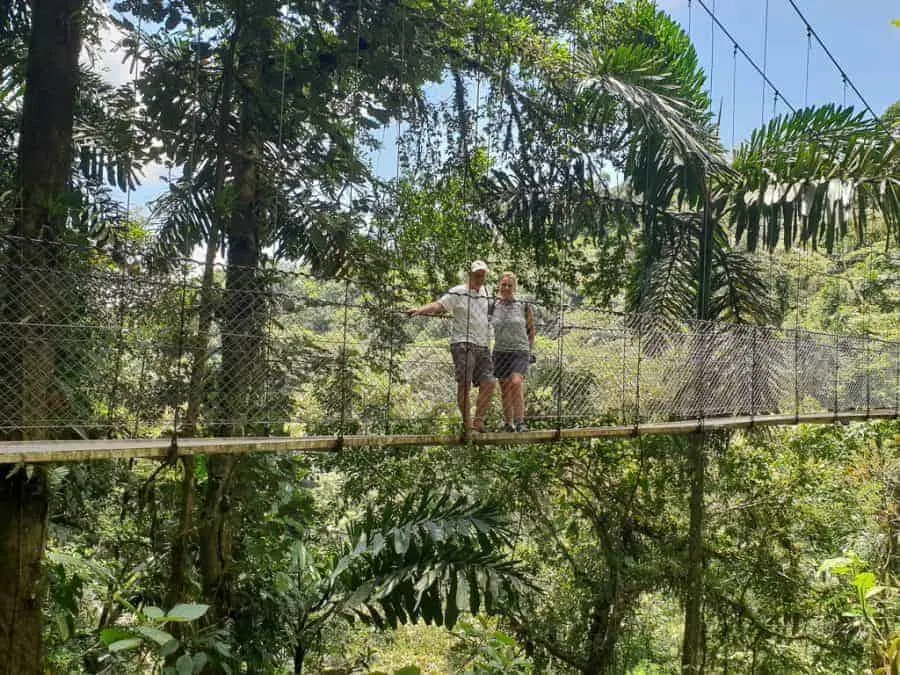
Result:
pixel 520 426
pixel 508 427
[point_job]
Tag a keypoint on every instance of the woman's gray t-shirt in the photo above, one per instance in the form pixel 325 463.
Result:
pixel 510 326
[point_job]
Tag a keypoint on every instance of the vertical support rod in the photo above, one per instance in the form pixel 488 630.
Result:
pixel 182 311
pixel 837 353
pixel 868 377
pixel 559 360
pixel 624 367
pixel 139 412
pixel 392 321
pixel 266 373
pixel 897 381
pixel 796 373
pixel 117 354
pixel 345 395
pixel 637 377
pixel 753 366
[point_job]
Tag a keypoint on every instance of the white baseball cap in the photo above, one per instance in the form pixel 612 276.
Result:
pixel 478 266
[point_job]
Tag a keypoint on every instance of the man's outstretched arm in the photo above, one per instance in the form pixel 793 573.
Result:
pixel 430 309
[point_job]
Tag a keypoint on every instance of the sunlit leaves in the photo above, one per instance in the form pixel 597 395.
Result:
pixel 811 177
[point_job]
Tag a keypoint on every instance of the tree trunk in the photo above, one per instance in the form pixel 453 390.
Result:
pixel 28 356
pixel 604 634
pixel 205 314
pixel 23 517
pixel 180 541
pixel 610 608
pixel 692 646
pixel 299 656
pixel 242 327
pixel 199 355
pixel 692 652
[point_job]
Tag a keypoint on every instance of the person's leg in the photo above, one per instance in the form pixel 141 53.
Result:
pixel 483 376
pixel 483 402
pixel 517 396
pixel 464 366
pixel 462 400
pixel 507 398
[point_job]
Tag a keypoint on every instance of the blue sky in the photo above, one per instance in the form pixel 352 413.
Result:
pixel 859 34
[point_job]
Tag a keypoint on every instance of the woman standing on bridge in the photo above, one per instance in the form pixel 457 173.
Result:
pixel 513 322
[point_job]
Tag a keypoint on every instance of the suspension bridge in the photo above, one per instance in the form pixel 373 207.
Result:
pixel 115 356
pixel 113 353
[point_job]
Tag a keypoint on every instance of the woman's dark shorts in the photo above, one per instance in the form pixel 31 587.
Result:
pixel 507 363
pixel 471 363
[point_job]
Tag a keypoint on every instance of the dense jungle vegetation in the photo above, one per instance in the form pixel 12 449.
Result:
pixel 569 141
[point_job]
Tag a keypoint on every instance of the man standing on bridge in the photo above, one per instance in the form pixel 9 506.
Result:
pixel 469 342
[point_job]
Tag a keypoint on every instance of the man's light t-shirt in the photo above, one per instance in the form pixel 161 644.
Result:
pixel 469 310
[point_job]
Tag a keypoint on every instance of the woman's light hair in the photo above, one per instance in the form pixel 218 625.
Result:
pixel 510 275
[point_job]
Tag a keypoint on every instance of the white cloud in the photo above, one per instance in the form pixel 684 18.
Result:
pixel 106 58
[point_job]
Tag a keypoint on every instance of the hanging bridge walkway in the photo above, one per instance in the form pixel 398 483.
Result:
pixel 109 354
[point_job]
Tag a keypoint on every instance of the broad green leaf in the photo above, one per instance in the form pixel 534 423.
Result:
pixel 160 637
pixel 185 612
pixel 169 648
pixel 360 594
pixel 200 660
pixel 184 665
pixel 503 639
pixel 154 613
pixel 123 645
pixel 110 635
pixel 864 581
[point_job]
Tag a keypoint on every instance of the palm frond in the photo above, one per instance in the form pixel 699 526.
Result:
pixel 809 176
pixel 428 556
pixel 634 77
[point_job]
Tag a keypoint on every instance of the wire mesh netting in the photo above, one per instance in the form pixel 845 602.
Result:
pixel 100 344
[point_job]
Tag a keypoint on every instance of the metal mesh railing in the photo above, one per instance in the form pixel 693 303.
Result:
pixel 96 345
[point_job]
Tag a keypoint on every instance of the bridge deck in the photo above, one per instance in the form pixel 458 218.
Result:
pixel 101 449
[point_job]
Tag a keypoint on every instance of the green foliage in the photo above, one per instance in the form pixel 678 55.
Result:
pixel 430 556
pixel 146 639
pixel 807 177
pixel 485 650
pixel 872 613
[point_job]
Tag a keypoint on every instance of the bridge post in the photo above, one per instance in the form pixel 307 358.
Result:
pixel 897 381
pixel 624 328
pixel 637 376
pixel 754 365
pixel 837 354
pixel 796 372
pixel 868 377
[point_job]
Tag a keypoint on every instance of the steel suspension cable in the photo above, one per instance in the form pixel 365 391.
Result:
pixel 712 54
pixel 734 52
pixel 765 61
pixel 840 69
pixel 806 70
pixel 746 55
